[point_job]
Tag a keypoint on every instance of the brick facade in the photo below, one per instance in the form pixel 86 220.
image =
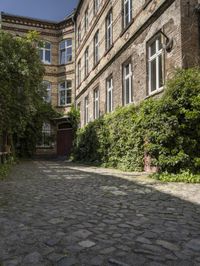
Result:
pixel 173 19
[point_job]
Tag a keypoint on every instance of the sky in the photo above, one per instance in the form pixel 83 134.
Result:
pixel 54 10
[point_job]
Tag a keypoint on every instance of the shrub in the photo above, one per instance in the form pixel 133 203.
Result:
pixel 167 129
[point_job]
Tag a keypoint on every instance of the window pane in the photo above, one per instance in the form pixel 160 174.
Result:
pixel 62 97
pixel 160 72
pixel 41 54
pixel 47 45
pixel 47 56
pixel 153 48
pixel 69 96
pixel 62 57
pixel 62 45
pixel 153 75
pixel 127 89
pixel 69 42
pixel 69 84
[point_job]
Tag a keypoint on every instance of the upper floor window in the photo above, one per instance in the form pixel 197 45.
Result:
pixel 127 83
pixel 65 49
pixel 109 30
pixel 79 35
pixel 127 12
pixel 86 110
pixel 86 62
pixel 65 93
pixel 45 52
pixel 109 94
pixel 96 48
pixel 96 103
pixel 86 20
pixel 155 58
pixel 79 72
pixel 47 86
pixel 96 6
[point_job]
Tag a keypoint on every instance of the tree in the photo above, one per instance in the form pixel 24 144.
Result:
pixel 21 89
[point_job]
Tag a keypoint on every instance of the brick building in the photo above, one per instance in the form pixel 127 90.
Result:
pixel 123 51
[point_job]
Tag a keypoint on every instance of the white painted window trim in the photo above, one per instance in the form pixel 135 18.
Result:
pixel 48 89
pixel 66 46
pixel 66 89
pixel 129 77
pixel 129 12
pixel 44 49
pixel 86 110
pixel 109 30
pixel 96 48
pixel 151 58
pixel 108 90
pixel 96 103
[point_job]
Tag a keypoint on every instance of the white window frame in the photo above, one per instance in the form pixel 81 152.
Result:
pixel 129 78
pixel 109 30
pixel 129 14
pixel 96 104
pixel 151 58
pixel 109 94
pixel 64 50
pixel 48 90
pixel 43 49
pixel 86 110
pixel 79 72
pixel 96 48
pixel 66 90
pixel 86 61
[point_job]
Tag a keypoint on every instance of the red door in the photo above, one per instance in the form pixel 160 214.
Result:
pixel 64 142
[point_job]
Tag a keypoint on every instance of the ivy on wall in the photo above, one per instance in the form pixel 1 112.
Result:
pixel 167 129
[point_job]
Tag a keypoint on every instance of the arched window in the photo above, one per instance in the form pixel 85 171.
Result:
pixel 65 49
pixel 47 85
pixel 45 52
pixel 65 93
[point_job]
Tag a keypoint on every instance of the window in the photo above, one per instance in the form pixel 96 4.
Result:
pixel 86 61
pixel 79 34
pixel 65 93
pixel 96 103
pixel 155 51
pixel 86 110
pixel 109 30
pixel 45 52
pixel 109 94
pixel 127 88
pixel 47 86
pixel 47 139
pixel 86 20
pixel 96 6
pixel 65 48
pixel 96 48
pixel 79 72
pixel 127 12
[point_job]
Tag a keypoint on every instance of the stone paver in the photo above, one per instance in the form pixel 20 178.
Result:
pixel 56 213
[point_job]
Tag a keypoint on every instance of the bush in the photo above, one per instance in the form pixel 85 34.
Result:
pixel 185 177
pixel 167 129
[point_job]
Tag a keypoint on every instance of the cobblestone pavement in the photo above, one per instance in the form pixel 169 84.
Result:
pixel 55 213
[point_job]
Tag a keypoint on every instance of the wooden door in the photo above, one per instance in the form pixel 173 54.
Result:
pixel 64 142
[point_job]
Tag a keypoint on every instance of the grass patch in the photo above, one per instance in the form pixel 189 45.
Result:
pixel 185 177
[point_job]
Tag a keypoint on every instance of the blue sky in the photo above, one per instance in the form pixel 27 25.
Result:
pixel 43 9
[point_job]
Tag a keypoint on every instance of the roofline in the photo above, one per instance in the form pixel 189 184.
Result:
pixel 51 22
pixel 78 8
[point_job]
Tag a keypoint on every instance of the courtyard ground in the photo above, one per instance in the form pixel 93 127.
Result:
pixel 55 213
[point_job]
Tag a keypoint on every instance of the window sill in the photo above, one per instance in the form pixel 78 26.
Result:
pixel 69 63
pixel 108 50
pixel 147 3
pixel 127 27
pixel 96 64
pixel 64 106
pixel 155 93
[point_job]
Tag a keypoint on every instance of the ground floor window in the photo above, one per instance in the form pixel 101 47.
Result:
pixel 65 93
pixel 46 140
pixel 96 103
pixel 109 94
pixel 127 83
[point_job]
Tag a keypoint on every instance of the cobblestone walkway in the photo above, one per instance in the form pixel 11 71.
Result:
pixel 54 213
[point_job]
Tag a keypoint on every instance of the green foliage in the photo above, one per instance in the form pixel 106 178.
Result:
pixel 186 177
pixel 167 129
pixel 5 168
pixel 74 117
pixel 113 140
pixel 22 107
pixel 172 124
